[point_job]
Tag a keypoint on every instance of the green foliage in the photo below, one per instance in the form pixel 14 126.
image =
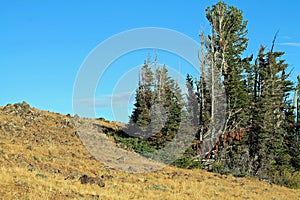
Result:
pixel 268 127
pixel 243 174
pixel 188 160
pixel 287 178
pixel 41 176
pixel 225 46
pixel 136 144
pixel 156 187
pixel 36 158
pixel 158 108
pixel 219 167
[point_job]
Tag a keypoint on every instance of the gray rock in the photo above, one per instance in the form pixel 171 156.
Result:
pixel 85 179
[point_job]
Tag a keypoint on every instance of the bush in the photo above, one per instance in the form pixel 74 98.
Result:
pixel 242 174
pixel 183 162
pixel 128 142
pixel 219 167
pixel 288 179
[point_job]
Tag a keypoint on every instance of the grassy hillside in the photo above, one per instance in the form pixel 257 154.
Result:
pixel 42 157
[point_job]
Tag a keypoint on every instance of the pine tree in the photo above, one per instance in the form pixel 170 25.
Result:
pixel 270 105
pixel 169 96
pixel 158 109
pixel 141 118
pixel 292 127
pixel 192 102
pixel 227 43
pixel 225 47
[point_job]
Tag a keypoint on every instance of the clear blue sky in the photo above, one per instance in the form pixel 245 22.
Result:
pixel 44 43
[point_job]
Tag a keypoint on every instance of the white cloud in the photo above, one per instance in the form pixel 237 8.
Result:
pixel 107 101
pixel 292 44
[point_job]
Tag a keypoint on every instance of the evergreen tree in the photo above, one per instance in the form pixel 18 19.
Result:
pixel 141 118
pixel 292 128
pixel 267 133
pixel 192 102
pixel 227 43
pixel 225 47
pixel 158 108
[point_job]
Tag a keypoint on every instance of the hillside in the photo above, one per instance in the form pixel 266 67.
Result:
pixel 42 157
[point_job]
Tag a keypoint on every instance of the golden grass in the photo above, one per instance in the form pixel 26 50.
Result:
pixel 45 160
pixel 196 184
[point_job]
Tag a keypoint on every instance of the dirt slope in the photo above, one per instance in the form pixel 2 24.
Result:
pixel 42 157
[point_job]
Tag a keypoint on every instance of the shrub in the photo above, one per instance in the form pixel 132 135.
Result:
pixel 288 179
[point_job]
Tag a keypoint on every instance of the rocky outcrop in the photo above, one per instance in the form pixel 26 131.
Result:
pixel 85 179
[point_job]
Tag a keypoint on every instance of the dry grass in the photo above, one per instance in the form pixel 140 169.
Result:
pixel 44 160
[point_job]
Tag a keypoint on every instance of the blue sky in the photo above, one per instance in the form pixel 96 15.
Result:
pixel 44 43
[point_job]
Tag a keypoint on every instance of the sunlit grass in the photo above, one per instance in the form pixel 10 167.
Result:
pixel 45 161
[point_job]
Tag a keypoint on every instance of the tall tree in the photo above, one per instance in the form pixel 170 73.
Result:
pixel 270 104
pixel 227 43
pixel 225 47
pixel 141 118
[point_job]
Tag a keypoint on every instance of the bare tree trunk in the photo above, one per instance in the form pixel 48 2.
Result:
pixel 202 86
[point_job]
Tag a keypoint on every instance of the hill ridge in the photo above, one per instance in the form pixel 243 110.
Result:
pixel 42 157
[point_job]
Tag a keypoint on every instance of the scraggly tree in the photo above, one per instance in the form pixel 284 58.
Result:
pixel 158 108
pixel 269 110
pixel 141 113
pixel 225 46
pixel 227 43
